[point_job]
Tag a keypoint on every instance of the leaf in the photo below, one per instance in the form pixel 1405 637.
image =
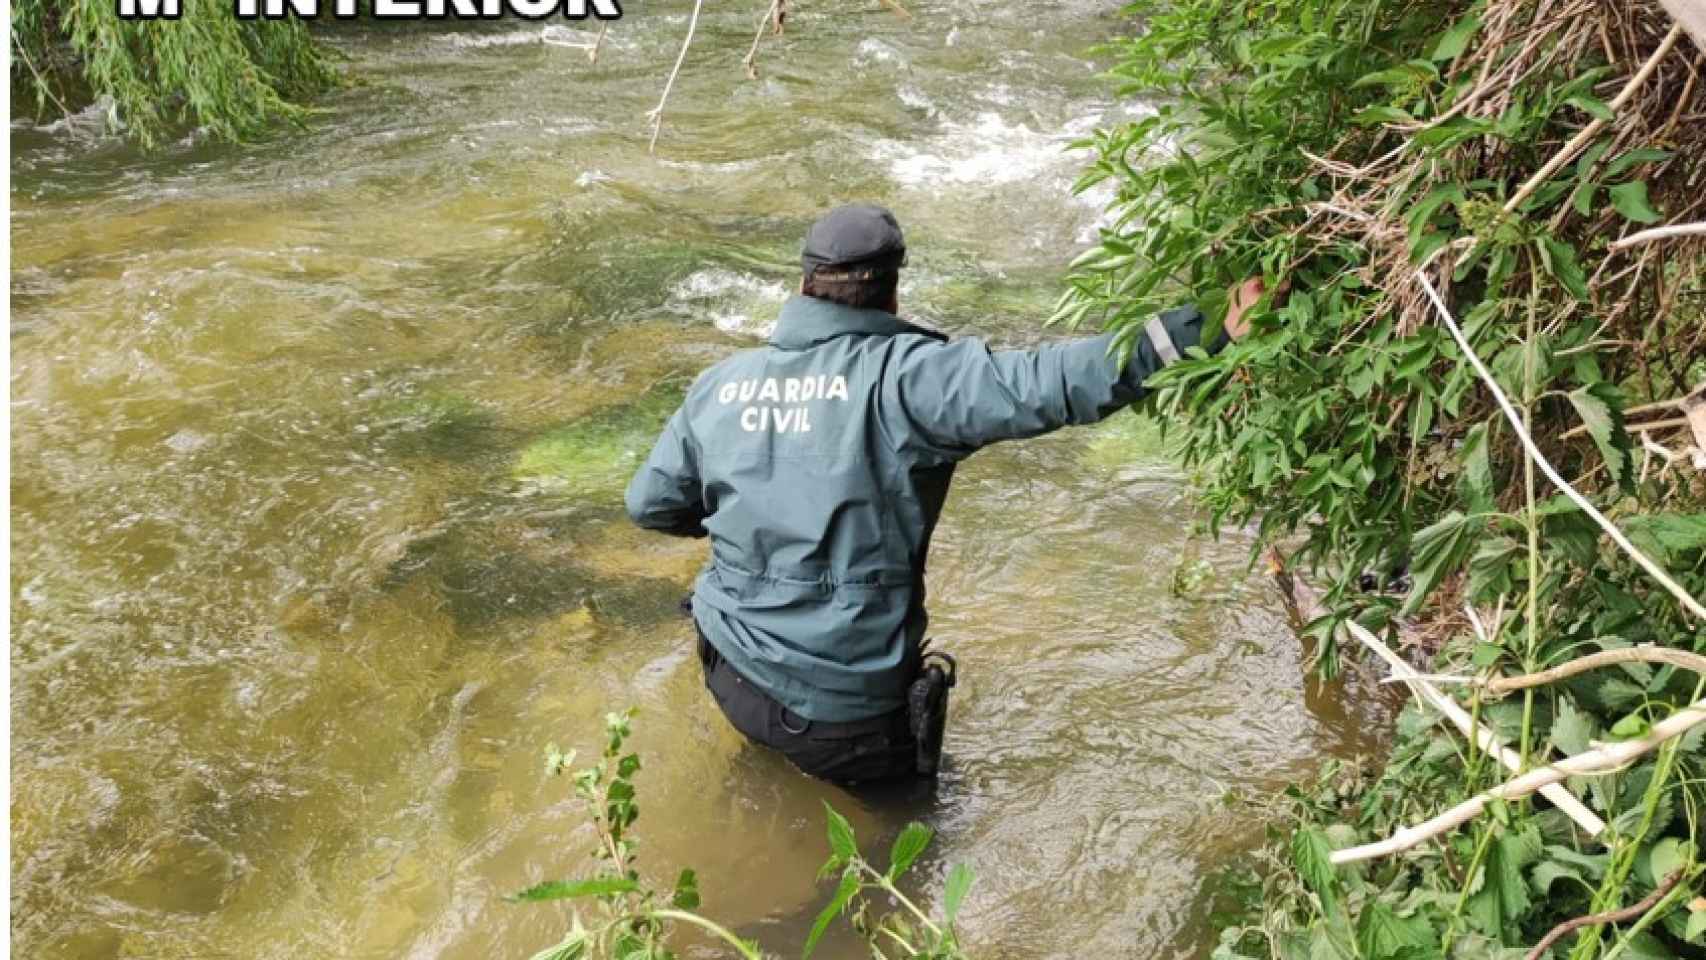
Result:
pixel 1618 694
pixel 686 896
pixel 1456 38
pixel 1645 946
pixel 1503 896
pixel 1667 857
pixel 1379 114
pixel 1475 483
pixel 844 892
pixel 1550 872
pixel 959 884
pixel 573 948
pixel 1560 261
pixel 1311 853
pixel 1592 106
pixel 1572 728
pixel 1600 409
pixel 1667 533
pixel 1490 569
pixel 1638 155
pixel 1631 727
pixel 566 889
pixel 1630 199
pixel 1382 934
pixel 1438 550
pixel 907 847
pixel 841 841
pixel 1696 927
pixel 1592 864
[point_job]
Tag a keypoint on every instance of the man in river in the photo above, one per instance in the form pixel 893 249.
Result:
pixel 818 466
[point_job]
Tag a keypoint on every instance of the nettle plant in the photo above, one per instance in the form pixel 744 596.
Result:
pixel 633 920
pixel 1339 145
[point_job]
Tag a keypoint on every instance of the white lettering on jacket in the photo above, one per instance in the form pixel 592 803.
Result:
pixel 795 391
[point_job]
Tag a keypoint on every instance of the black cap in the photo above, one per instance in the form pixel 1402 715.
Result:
pixel 856 235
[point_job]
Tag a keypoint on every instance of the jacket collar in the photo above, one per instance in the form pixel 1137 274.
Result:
pixel 808 321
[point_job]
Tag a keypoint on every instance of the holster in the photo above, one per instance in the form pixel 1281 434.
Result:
pixel 927 708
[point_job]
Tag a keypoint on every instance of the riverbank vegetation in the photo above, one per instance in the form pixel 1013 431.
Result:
pixel 631 920
pixel 207 69
pixel 1468 199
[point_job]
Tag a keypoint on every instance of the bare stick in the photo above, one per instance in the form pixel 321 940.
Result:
pixel 1645 653
pixel 1670 404
pixel 656 113
pixel 1660 233
pixel 603 27
pixel 1603 760
pixel 41 81
pixel 1301 598
pixel 1657 572
pixel 751 61
pixel 1587 133
pixel 1610 916
pixel 1691 15
pixel 1577 431
pixel 1489 742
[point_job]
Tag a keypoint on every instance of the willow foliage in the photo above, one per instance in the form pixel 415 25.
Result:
pixel 209 69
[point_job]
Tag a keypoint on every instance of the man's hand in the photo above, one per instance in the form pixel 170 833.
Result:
pixel 1240 298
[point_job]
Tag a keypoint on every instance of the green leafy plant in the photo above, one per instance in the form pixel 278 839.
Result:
pixel 1496 150
pixel 633 920
pixel 208 68
pixel 907 932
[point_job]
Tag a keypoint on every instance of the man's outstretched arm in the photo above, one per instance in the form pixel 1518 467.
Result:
pixel 666 495
pixel 949 400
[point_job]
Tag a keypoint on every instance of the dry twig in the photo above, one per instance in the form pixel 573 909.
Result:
pixel 1610 916
pixel 1646 563
pixel 656 113
pixel 1603 760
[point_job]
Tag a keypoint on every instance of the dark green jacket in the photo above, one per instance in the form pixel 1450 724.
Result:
pixel 818 466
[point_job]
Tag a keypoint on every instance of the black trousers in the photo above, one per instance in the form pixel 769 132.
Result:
pixel 863 751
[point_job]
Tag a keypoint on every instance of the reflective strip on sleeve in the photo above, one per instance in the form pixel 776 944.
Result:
pixel 1162 342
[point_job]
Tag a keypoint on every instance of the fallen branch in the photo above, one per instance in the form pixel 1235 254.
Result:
pixel 1659 233
pixel 1559 795
pixel 592 55
pixel 1304 607
pixel 1632 427
pixel 751 60
pixel 1657 572
pixel 1603 760
pixel 656 113
pixel 1645 653
pixel 1610 916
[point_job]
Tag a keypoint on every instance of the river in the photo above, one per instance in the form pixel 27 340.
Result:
pixel 318 446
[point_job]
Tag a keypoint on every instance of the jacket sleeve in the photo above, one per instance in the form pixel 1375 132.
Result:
pixel 947 400
pixel 666 494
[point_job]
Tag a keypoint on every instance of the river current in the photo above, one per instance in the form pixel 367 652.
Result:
pixel 318 446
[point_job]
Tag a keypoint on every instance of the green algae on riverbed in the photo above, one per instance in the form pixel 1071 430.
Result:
pixel 597 453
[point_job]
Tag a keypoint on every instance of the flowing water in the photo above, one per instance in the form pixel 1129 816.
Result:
pixel 317 539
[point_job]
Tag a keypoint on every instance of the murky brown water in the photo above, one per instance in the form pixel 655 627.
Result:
pixel 318 447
